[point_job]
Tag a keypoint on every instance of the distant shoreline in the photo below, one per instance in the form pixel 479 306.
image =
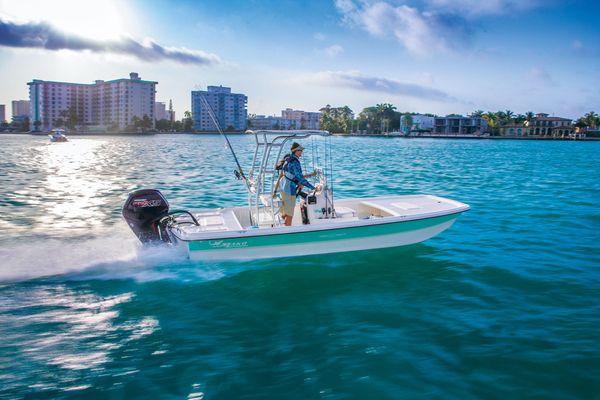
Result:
pixel 466 137
pixel 460 137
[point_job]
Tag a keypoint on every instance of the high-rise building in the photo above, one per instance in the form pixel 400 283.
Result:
pixel 20 107
pixel 103 104
pixel 160 111
pixel 2 113
pixel 304 119
pixel 272 122
pixel 228 108
pixel 290 119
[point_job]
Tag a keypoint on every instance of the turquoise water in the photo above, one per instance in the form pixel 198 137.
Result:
pixel 505 304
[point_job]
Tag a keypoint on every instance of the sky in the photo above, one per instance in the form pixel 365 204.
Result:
pixel 427 56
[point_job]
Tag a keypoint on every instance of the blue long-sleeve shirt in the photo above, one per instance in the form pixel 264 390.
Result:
pixel 292 171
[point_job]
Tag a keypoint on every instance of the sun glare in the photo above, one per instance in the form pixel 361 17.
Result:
pixel 92 19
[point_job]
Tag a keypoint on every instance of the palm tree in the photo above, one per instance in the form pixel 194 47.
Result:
pixel 385 113
pixel 368 118
pixel 492 121
pixel 477 114
pixel 408 122
pixel 346 116
pixel 146 122
pixel 592 119
pixel 519 119
pixel 500 118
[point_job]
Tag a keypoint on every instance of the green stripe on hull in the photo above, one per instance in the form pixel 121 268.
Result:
pixel 318 236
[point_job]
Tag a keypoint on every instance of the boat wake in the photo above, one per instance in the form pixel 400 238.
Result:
pixel 101 258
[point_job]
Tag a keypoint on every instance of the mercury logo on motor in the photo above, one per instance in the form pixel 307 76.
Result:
pixel 146 203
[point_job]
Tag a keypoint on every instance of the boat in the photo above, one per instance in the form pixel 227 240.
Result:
pixel 321 224
pixel 58 135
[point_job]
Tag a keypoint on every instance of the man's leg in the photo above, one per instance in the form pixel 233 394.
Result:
pixel 288 203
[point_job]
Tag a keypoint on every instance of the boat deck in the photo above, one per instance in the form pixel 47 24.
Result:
pixel 350 212
pixel 402 206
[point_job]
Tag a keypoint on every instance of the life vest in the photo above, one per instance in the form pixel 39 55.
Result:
pixel 281 164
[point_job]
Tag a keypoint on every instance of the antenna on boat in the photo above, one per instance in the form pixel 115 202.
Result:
pixel 239 173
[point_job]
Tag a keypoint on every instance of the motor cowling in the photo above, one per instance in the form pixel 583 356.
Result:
pixel 143 212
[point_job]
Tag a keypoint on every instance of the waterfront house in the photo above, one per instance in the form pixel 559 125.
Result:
pixel 544 125
pixel 514 129
pixel 416 123
pixel 459 125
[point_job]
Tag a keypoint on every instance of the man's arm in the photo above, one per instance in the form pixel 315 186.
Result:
pixel 277 184
pixel 296 170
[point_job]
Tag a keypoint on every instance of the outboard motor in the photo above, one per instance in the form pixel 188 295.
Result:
pixel 143 211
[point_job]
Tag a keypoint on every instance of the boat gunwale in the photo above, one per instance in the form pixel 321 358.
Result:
pixel 304 228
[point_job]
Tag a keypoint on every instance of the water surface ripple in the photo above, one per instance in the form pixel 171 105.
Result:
pixel 505 304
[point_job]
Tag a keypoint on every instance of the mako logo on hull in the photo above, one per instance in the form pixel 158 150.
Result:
pixel 221 244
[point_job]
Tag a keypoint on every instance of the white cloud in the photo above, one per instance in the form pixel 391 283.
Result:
pixel 421 33
pixel 43 35
pixel 428 26
pixel 319 36
pixel 358 81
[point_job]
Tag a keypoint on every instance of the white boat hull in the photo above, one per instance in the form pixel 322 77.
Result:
pixel 240 249
pixel 360 224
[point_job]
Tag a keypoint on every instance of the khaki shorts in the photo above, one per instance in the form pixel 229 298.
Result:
pixel 288 203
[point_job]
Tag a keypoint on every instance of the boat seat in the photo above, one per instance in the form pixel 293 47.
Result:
pixel 344 212
pixel 266 218
pixel 376 208
pixel 225 220
pixel 267 199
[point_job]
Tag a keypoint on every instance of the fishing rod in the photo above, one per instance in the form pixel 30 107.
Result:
pixel 239 173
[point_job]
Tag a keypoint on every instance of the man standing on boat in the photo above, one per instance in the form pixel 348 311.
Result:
pixel 293 182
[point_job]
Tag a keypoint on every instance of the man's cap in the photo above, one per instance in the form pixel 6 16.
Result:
pixel 296 146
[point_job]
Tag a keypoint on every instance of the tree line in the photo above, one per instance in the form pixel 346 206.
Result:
pixel 384 117
pixel 376 119
pixel 183 125
pixel 70 119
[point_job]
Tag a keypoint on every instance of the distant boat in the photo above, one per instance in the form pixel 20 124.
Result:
pixel 58 135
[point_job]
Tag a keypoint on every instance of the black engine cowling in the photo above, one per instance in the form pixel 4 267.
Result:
pixel 143 212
